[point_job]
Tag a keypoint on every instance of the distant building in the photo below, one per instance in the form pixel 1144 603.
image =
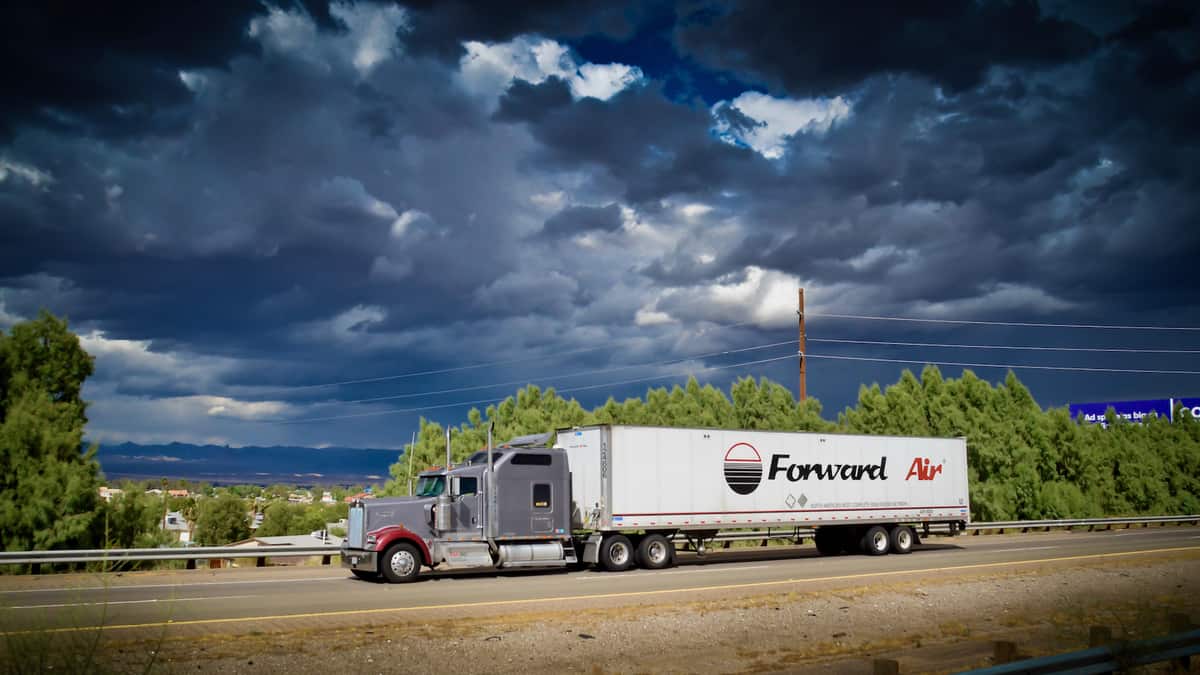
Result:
pixel 327 498
pixel 175 524
pixel 300 498
pixel 179 493
pixel 361 495
pixel 107 493
pixel 288 540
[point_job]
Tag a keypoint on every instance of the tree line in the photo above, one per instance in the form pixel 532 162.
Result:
pixel 1024 462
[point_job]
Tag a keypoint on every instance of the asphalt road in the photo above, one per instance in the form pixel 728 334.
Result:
pixel 270 599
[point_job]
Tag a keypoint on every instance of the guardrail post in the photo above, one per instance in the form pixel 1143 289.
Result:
pixel 1098 636
pixel 191 564
pixel 325 559
pixel 885 667
pixel 260 561
pixel 1004 651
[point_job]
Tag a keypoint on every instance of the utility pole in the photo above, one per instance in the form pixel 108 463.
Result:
pixel 803 348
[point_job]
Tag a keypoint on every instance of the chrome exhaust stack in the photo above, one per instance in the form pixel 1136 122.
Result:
pixel 442 521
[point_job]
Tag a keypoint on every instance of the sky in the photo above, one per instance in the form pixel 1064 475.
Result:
pixel 314 223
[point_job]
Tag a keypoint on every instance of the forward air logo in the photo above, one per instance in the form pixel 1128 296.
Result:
pixel 923 470
pixel 743 468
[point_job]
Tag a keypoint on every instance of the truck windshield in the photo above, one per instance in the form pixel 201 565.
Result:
pixel 430 486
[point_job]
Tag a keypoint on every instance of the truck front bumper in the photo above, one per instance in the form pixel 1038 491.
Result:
pixel 360 559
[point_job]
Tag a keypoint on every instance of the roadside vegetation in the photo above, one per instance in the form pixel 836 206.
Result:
pixel 1024 462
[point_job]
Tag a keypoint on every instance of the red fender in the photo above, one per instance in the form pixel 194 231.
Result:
pixel 386 536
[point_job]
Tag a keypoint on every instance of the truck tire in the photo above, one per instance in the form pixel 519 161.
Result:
pixel 876 541
pixel 828 541
pixel 401 563
pixel 654 552
pixel 903 538
pixel 616 553
pixel 365 575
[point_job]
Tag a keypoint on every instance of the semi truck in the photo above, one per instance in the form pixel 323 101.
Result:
pixel 620 496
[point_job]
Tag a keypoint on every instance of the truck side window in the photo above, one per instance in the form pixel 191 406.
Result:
pixel 528 458
pixel 467 485
pixel 541 495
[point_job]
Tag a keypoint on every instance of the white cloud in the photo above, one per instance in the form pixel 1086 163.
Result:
pixel 487 69
pixel 692 211
pixel 776 120
pixel 30 174
pixel 357 319
pixel 370 39
pixel 223 406
pixel 603 81
pixel 652 317
pixel 403 223
pixel 373 31
pixel 7 320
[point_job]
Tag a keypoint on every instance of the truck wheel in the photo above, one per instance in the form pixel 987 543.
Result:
pixel 655 552
pixel 365 575
pixel 616 553
pixel 828 541
pixel 400 563
pixel 902 539
pixel 876 541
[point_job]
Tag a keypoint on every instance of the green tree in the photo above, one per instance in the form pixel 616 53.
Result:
pixel 221 520
pixel 48 486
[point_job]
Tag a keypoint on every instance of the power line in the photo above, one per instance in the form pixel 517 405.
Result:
pixel 1012 366
pixel 441 371
pixel 1016 347
pixel 395 411
pixel 584 373
pixel 1025 324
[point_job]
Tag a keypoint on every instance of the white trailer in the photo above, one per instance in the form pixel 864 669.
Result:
pixel 858 492
pixel 618 495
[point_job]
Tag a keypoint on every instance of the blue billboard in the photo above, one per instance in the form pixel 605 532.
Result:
pixel 1132 411
pixel 1188 406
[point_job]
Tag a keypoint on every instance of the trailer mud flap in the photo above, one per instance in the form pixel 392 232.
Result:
pixel 591 548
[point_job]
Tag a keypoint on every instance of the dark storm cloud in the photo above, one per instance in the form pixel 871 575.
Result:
pixel 580 219
pixel 802 49
pixel 527 102
pixel 336 203
pixel 441 26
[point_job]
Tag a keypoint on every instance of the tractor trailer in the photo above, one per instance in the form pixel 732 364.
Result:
pixel 620 496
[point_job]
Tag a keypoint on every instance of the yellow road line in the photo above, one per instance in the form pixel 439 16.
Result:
pixel 602 596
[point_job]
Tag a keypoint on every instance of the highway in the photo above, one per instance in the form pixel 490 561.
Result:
pixel 288 598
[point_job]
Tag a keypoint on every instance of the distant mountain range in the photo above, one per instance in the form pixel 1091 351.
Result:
pixel 221 465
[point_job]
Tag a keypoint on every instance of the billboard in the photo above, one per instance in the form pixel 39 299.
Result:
pixel 1190 406
pixel 1132 411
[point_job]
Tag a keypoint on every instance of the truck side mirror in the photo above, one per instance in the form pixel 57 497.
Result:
pixel 455 486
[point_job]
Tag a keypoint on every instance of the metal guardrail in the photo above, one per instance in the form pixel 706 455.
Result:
pixel 1107 659
pixel 115 555
pixel 227 552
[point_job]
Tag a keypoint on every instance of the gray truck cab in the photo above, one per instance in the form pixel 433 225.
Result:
pixel 517 513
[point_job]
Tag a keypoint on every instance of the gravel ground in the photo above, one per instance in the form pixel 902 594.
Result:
pixel 927 625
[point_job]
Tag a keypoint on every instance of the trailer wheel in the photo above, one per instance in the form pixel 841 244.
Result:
pixel 654 552
pixel 828 541
pixel 876 541
pixel 902 539
pixel 401 563
pixel 365 575
pixel 616 553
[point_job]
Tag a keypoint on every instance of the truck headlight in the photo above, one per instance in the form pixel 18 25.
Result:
pixel 371 540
